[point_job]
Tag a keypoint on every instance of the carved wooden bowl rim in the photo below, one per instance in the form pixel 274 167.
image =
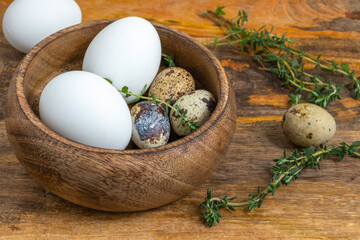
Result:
pixel 29 113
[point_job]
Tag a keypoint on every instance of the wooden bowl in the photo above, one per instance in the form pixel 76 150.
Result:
pixel 114 180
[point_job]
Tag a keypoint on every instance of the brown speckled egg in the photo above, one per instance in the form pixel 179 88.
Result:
pixel 199 105
pixel 173 81
pixel 308 125
pixel 150 125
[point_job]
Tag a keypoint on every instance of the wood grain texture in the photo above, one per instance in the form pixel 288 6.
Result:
pixel 323 204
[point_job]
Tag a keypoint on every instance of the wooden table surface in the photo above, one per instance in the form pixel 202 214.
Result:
pixel 320 205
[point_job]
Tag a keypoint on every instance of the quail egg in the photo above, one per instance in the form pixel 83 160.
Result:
pixel 308 125
pixel 150 125
pixel 198 106
pixel 172 82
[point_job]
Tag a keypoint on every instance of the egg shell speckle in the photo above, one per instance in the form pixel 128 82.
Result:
pixel 150 125
pixel 308 125
pixel 173 81
pixel 199 106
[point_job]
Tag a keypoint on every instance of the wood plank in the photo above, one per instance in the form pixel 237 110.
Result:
pixel 322 204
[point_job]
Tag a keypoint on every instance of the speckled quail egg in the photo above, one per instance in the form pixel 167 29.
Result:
pixel 150 125
pixel 198 106
pixel 173 81
pixel 308 125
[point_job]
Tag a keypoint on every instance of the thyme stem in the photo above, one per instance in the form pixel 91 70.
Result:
pixel 285 171
pixel 158 100
pixel 286 62
pixel 192 125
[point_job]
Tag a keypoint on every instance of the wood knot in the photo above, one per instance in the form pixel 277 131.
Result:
pixel 353 15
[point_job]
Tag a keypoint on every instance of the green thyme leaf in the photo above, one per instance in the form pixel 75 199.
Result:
pixel 286 170
pixel 277 55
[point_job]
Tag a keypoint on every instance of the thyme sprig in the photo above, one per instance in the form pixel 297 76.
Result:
pixel 294 98
pixel 277 55
pixel 286 169
pixel 190 125
pixel 169 60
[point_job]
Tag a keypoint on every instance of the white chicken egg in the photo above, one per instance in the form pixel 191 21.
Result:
pixel 85 108
pixel 27 22
pixel 128 52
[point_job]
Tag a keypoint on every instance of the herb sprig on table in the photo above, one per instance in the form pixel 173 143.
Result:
pixel 277 55
pixel 286 169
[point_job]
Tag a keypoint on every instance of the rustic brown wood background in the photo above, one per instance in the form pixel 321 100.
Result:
pixel 321 205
